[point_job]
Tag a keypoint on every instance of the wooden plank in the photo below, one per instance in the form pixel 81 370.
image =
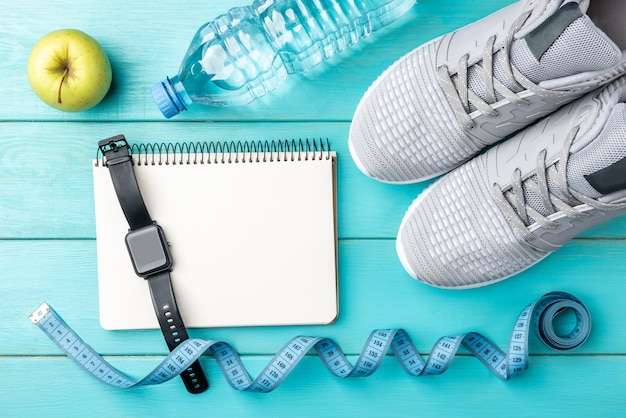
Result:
pixel 47 247
pixel 374 293
pixel 552 387
pixel 147 41
pixel 47 181
pixel 47 189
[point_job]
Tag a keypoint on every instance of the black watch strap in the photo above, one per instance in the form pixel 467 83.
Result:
pixel 119 162
pixel 173 328
pixel 127 190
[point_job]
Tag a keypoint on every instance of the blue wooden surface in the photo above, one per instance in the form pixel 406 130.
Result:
pixel 47 241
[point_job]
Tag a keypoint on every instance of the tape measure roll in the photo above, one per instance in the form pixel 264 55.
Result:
pixel 538 315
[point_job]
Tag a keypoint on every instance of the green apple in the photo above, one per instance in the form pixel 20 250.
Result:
pixel 69 70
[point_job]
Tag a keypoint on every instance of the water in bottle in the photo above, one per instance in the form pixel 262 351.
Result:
pixel 247 52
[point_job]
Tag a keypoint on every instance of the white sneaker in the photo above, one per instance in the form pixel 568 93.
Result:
pixel 510 207
pixel 445 101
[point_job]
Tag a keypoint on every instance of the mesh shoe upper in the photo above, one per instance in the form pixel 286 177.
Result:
pixel 391 130
pixel 446 100
pixel 455 235
pixel 510 207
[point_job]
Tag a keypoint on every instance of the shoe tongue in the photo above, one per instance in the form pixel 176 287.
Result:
pixel 595 170
pixel 599 168
pixel 565 43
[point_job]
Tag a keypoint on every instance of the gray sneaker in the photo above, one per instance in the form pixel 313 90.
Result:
pixel 510 207
pixel 445 101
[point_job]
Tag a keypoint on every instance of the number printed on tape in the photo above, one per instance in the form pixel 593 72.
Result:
pixel 538 315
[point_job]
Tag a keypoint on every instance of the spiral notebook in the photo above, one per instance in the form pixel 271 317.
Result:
pixel 252 231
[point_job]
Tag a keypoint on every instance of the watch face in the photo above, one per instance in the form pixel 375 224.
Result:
pixel 148 250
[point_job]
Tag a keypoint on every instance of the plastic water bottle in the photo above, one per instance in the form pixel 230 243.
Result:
pixel 247 52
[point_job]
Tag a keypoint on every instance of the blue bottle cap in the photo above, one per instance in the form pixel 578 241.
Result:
pixel 167 99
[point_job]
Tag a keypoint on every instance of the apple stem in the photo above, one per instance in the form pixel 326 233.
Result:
pixel 61 85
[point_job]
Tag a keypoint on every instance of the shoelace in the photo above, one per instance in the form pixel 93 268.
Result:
pixel 520 214
pixel 460 96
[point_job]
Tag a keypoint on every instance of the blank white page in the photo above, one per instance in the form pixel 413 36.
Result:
pixel 253 243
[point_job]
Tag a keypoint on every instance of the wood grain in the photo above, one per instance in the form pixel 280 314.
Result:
pixel 551 388
pixel 48 252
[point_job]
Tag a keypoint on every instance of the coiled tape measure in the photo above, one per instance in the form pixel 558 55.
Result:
pixel 538 315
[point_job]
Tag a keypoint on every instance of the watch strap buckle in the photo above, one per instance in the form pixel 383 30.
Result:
pixel 115 149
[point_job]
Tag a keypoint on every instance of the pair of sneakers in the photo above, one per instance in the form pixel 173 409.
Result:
pixel 549 75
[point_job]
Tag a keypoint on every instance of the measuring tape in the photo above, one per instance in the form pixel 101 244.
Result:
pixel 538 315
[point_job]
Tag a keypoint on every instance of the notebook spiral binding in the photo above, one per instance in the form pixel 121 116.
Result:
pixel 226 152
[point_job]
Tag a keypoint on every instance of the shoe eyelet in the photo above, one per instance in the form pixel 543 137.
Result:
pixel 496 114
pixel 527 102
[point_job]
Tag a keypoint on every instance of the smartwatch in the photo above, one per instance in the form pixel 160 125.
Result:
pixel 149 252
